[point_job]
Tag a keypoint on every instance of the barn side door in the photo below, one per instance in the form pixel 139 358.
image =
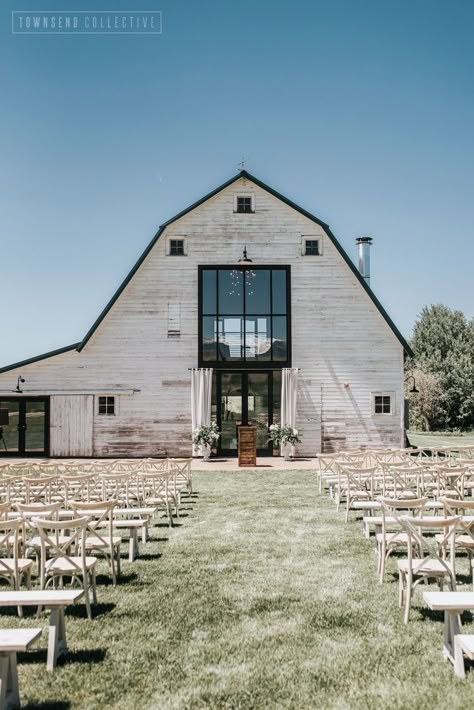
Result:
pixel 71 419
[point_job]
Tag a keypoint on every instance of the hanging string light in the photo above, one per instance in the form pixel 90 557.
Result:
pixel 249 274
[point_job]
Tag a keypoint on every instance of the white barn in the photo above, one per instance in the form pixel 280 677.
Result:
pixel 191 301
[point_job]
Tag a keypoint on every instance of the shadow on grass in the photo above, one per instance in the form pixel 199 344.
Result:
pixel 49 704
pixel 79 611
pixel 38 655
pixel 463 579
pixel 430 615
pixel 104 580
pixel 12 611
pixel 149 556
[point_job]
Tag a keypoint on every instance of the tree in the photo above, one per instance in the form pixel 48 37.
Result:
pixel 425 411
pixel 443 344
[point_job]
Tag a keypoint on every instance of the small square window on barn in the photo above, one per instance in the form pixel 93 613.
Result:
pixel 382 404
pixel 244 204
pixel 311 247
pixel 106 405
pixel 176 247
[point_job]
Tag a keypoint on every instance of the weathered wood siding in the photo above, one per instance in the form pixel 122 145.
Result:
pixel 71 425
pixel 341 343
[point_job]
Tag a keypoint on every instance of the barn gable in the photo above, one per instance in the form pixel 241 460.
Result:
pixel 279 196
pixel 247 176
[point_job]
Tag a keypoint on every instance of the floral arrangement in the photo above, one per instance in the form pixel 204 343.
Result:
pixel 281 435
pixel 206 434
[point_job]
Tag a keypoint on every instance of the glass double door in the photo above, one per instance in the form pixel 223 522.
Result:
pixel 248 398
pixel 24 426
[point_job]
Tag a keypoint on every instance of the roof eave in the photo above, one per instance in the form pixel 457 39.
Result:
pixel 37 358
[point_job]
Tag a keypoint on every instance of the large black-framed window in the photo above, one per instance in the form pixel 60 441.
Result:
pixel 244 316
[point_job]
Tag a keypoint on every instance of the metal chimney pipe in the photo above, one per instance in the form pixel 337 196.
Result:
pixel 363 244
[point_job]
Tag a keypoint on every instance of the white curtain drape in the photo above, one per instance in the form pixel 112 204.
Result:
pixel 289 386
pixel 201 392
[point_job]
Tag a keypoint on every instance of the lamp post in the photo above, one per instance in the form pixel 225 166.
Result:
pixel 414 389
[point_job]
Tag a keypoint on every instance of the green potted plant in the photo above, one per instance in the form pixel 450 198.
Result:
pixel 284 436
pixel 205 436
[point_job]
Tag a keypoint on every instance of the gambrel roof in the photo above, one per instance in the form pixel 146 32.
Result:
pixel 271 191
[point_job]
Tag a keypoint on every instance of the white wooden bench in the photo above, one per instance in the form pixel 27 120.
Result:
pixel 133 527
pixel 463 646
pixel 12 641
pixel 453 604
pixel 54 599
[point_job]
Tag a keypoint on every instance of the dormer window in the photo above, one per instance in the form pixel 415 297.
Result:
pixel 244 204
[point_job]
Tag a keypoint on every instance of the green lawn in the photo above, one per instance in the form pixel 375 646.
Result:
pixel 262 598
pixel 422 439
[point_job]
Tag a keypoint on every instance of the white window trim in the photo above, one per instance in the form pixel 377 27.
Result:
pixel 392 412
pixel 174 239
pixel 243 194
pixel 106 394
pixel 311 238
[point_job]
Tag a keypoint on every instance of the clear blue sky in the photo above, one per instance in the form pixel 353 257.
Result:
pixel 359 110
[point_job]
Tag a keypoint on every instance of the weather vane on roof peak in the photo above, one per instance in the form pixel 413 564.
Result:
pixel 241 165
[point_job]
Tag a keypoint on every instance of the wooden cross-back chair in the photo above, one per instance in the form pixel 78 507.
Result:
pixel 115 486
pixel 449 481
pixel 464 537
pixel 155 490
pixel 30 539
pixel 77 488
pixel 356 484
pixel 12 489
pixel 56 561
pixel 427 556
pixel 13 567
pixel 24 468
pixel 175 487
pixel 183 472
pixel 38 489
pixel 126 466
pixel 338 481
pixel 326 468
pixel 393 536
pixel 399 481
pixel 100 532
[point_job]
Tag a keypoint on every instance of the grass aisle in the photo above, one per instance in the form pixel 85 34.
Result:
pixel 262 598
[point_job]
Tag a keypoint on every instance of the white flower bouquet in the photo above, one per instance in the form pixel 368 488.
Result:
pixel 282 435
